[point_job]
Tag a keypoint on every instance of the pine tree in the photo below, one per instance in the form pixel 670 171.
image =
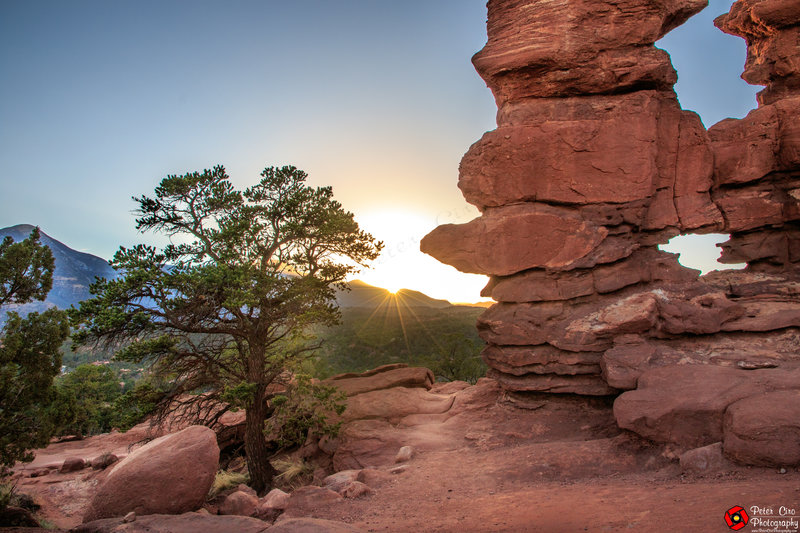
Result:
pixel 225 310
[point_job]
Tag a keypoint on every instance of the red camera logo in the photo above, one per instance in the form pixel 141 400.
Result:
pixel 736 518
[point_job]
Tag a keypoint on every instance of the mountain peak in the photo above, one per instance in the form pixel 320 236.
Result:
pixel 74 273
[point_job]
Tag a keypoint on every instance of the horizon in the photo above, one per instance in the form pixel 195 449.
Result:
pixel 379 101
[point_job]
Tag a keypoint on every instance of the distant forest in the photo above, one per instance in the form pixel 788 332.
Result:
pixel 443 339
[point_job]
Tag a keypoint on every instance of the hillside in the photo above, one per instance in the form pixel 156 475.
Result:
pixel 75 271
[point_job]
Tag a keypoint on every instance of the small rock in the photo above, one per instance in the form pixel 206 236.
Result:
pixel 355 489
pixel 336 482
pixel 72 464
pixel 782 470
pixel 239 503
pixel 267 513
pixel 706 459
pixel 398 469
pixel 405 454
pixel 130 517
pixel 275 498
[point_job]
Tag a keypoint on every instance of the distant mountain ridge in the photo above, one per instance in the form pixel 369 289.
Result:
pixel 76 271
pixel 364 295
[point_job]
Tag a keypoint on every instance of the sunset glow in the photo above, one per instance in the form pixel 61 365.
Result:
pixel 403 266
pixel 378 99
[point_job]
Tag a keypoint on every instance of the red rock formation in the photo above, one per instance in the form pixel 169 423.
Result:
pixel 170 475
pixel 592 165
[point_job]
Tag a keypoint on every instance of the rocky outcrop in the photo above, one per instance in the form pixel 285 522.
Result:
pixel 382 377
pixel 170 475
pixel 377 401
pixel 594 164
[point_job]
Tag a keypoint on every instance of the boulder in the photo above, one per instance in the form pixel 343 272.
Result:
pixel 395 403
pixel 239 503
pixel 686 404
pixel 170 475
pixel 183 523
pixel 764 429
pixel 366 443
pixel 72 464
pixel 230 429
pixel 101 462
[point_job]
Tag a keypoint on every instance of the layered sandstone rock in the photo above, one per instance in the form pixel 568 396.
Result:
pixel 592 166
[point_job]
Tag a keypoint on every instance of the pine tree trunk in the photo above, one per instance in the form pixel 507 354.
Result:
pixel 255 445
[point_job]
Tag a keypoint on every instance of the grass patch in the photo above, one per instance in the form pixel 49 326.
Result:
pixel 225 480
pixel 293 473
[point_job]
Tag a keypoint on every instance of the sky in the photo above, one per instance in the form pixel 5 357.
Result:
pixel 101 100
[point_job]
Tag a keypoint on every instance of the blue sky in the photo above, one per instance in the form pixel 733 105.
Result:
pixel 100 100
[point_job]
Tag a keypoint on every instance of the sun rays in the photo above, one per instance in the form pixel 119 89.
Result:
pixel 397 305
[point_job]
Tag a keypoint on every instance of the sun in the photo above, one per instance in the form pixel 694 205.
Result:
pixel 402 266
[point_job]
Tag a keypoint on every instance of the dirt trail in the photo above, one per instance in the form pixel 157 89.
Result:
pixel 560 467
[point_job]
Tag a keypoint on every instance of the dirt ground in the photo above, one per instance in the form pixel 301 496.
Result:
pixel 554 465
pixel 563 467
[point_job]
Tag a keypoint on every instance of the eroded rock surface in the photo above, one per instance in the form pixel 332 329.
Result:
pixel 594 164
